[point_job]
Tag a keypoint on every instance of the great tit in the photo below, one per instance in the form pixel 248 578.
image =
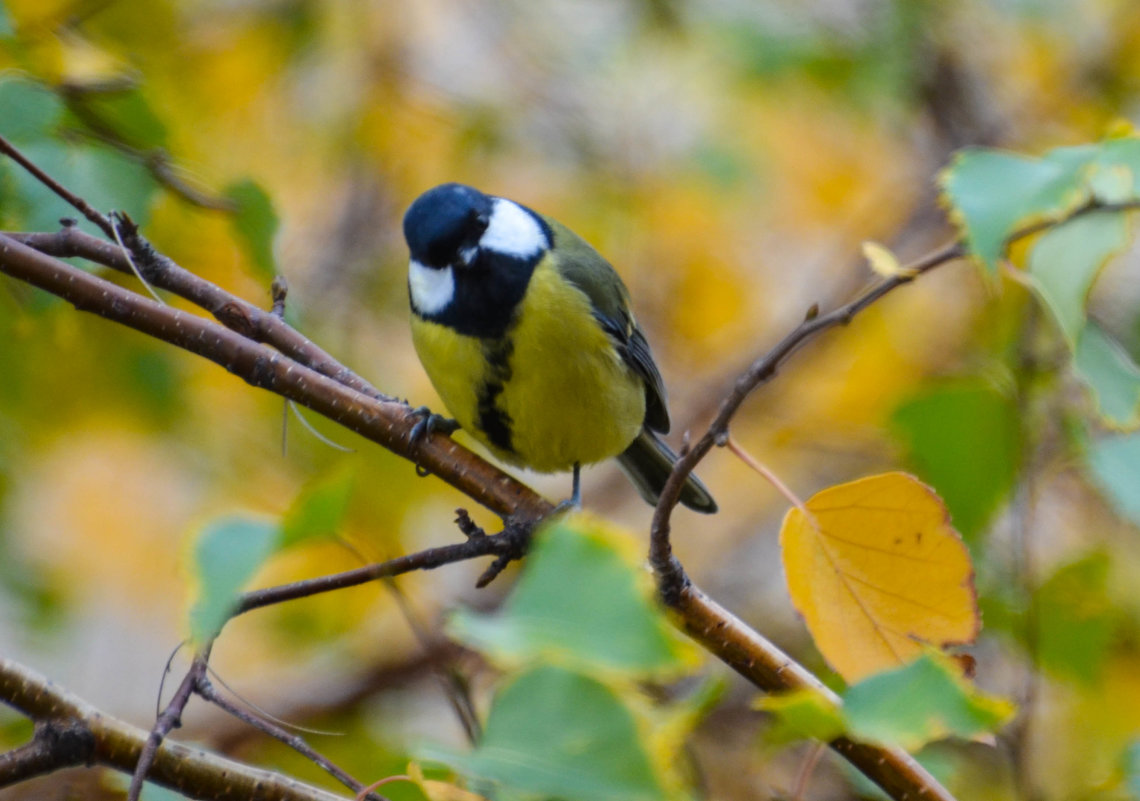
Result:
pixel 526 333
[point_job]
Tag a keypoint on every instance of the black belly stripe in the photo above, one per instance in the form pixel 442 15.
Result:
pixel 493 421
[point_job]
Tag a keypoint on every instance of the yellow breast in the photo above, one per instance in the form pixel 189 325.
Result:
pixel 555 381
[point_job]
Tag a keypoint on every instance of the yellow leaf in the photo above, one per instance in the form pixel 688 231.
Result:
pixel 882 261
pixel 877 571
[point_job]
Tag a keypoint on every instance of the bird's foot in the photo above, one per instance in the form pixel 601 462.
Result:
pixel 568 505
pixel 430 423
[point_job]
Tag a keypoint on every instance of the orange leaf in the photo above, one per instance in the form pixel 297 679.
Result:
pixel 878 572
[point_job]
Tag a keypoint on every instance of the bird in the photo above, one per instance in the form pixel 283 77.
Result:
pixel 526 333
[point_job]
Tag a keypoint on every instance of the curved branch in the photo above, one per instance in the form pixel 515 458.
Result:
pixel 769 668
pixel 385 422
pixel 388 424
pixel 115 744
pixel 670 574
pixel 228 309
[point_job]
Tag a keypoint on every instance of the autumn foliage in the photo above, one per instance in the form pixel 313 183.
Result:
pixel 885 257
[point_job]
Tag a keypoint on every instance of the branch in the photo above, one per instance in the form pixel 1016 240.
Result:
pixel 385 422
pixel 115 744
pixel 670 574
pixel 388 424
pixel 766 666
pixel 57 744
pixel 74 201
pixel 205 688
pixel 169 719
pixel 508 544
pixel 721 632
pixel 231 311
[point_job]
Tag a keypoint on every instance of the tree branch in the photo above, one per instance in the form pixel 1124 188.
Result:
pixel 388 424
pixel 766 666
pixel 509 544
pixel 385 422
pixel 76 202
pixel 205 688
pixel 231 311
pixel 170 718
pixel 670 575
pixel 115 744
pixel 57 744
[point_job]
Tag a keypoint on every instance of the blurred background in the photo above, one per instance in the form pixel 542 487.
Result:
pixel 729 157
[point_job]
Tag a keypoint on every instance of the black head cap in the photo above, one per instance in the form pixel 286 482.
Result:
pixel 444 221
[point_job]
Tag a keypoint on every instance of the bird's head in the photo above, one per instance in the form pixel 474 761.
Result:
pixel 457 233
pixel 443 225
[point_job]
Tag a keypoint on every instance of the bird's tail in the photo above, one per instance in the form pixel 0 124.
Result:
pixel 648 462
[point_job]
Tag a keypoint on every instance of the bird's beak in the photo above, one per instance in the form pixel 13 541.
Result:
pixel 467 256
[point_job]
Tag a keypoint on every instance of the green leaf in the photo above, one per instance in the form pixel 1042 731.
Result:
pixel 1115 463
pixel 256 224
pixel 1065 260
pixel 1123 152
pixel 1076 623
pixel 1111 183
pixel 31 112
pixel 921 702
pixel 800 714
pixel 965 440
pixel 319 510
pixel 1103 364
pixel 226 555
pixel 559 734
pixel 102 177
pixel 6 29
pixel 582 599
pixel 993 193
pixel 127 113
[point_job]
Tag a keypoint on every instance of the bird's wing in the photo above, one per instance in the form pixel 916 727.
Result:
pixel 585 268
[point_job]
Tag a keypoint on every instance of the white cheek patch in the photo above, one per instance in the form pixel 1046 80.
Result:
pixel 432 290
pixel 513 231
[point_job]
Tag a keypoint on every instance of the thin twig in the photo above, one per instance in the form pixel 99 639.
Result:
pixel 265 713
pixel 507 544
pixel 377 784
pixel 454 685
pixel 156 160
pixel 768 475
pixel 205 688
pixel 165 673
pixel 76 202
pixel 134 267
pixel 170 719
pixel 806 771
pixel 670 575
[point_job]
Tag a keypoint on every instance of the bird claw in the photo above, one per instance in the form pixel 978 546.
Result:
pixel 568 505
pixel 429 423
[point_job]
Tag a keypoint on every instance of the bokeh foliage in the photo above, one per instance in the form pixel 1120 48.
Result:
pixel 728 158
